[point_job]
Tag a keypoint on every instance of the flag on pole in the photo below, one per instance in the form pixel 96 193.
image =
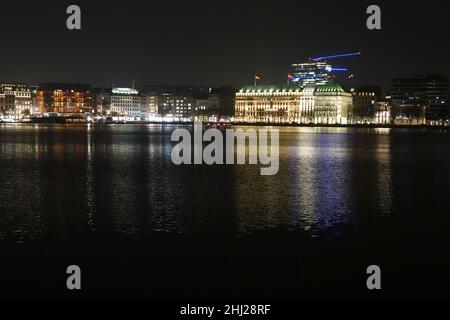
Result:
pixel 257 78
pixel 289 78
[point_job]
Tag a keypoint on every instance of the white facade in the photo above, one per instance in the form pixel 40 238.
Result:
pixel 320 104
pixel 125 102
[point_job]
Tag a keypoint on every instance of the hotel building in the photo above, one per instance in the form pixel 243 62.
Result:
pixel 319 104
pixel 268 103
pixel 332 105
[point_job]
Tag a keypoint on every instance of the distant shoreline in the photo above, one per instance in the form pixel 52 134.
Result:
pixel 248 124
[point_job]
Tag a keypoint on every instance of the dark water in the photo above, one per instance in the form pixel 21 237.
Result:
pixel 59 183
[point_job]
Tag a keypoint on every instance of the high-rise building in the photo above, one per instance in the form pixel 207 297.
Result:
pixel 316 71
pixel 420 91
pixel 15 100
pixel 309 73
pixel 65 98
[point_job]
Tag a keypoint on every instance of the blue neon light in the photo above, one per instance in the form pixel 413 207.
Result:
pixel 337 56
pixel 339 69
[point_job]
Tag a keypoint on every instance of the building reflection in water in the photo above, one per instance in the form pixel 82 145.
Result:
pixel 384 170
pixel 70 181
pixel 90 194
pixel 323 172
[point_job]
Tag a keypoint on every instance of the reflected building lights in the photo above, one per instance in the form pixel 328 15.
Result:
pixel 90 194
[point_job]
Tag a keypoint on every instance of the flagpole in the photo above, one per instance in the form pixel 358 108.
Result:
pixel 255 79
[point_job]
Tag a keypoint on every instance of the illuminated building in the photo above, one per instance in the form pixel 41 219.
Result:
pixel 382 113
pixel 268 103
pixel 190 102
pixel 202 111
pixel 177 105
pixel 65 98
pixel 315 71
pixel 149 103
pixel 332 105
pixel 365 97
pixel 419 92
pixel 123 102
pixel 438 114
pixel 320 104
pixel 15 100
pixel 325 104
pixel 412 97
pixel 311 72
pixel 365 100
pixel 306 112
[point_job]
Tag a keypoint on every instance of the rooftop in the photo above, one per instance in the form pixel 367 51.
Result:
pixel 127 91
pixel 329 87
pixel 319 88
pixel 270 89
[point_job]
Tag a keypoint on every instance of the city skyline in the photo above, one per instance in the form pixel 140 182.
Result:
pixel 232 158
pixel 411 101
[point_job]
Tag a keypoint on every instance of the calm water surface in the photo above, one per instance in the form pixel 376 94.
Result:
pixel 59 182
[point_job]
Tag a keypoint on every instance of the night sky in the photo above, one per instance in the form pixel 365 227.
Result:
pixel 217 42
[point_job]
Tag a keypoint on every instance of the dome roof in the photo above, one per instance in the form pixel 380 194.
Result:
pixel 329 87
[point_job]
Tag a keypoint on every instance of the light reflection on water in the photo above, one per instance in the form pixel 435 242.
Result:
pixel 65 181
